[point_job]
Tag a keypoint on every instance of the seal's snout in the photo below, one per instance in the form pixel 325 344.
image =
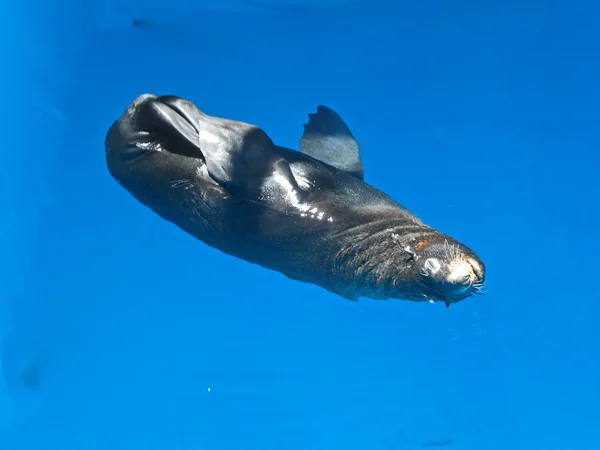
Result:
pixel 450 272
pixel 477 270
pixel 464 271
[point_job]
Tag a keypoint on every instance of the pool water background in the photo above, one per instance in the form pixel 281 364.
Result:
pixel 482 119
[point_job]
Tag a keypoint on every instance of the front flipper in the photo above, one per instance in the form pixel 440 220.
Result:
pixel 327 138
pixel 243 159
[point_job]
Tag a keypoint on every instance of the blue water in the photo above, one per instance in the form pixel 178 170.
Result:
pixel 481 117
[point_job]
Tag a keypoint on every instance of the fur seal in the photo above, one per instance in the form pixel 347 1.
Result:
pixel 307 214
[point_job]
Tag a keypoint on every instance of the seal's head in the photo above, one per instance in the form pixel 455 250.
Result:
pixel 421 264
pixel 447 271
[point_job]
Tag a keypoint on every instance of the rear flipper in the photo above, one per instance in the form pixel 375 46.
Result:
pixel 239 156
pixel 327 138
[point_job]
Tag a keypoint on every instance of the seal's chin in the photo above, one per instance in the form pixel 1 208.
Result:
pixel 448 294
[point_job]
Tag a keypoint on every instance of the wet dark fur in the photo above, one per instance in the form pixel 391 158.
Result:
pixel 360 253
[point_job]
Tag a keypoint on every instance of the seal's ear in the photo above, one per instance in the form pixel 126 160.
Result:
pixel 242 158
pixel 327 138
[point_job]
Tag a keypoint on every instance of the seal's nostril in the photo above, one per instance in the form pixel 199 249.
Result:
pixel 477 269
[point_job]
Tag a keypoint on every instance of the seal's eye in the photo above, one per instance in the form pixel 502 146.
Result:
pixel 431 266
